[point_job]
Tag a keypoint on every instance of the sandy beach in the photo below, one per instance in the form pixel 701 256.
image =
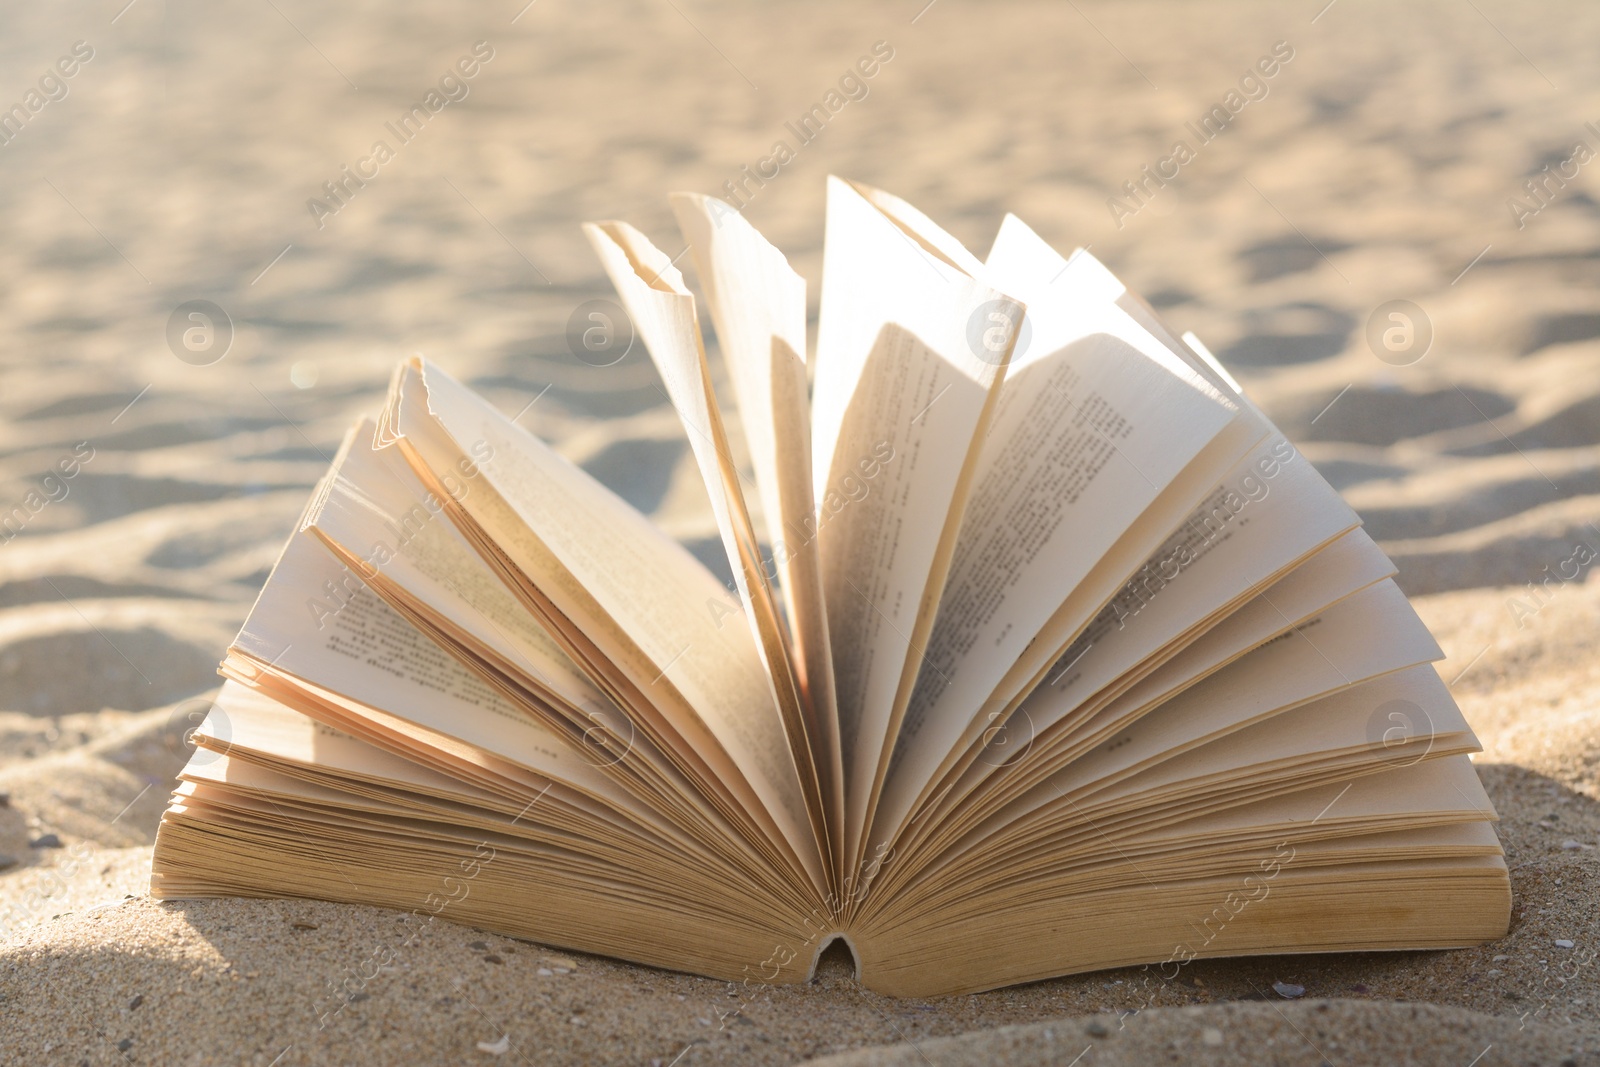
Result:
pixel 189 157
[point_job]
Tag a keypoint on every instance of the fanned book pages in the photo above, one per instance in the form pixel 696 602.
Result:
pixel 1044 651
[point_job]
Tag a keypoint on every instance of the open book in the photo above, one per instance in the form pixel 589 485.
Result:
pixel 1043 652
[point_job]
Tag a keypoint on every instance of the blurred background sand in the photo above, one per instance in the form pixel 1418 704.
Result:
pixel 1378 167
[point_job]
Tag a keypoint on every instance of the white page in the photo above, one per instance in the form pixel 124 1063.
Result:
pixel 1432 790
pixel 758 305
pixel 355 644
pixel 1321 731
pixel 1022 258
pixel 1223 744
pixel 374 507
pixel 1440 793
pixel 1086 272
pixel 249 721
pixel 245 720
pixel 665 618
pixel 1043 735
pixel 1094 420
pixel 1201 566
pixel 663 312
pixel 1351 564
pixel 900 404
pixel 375 515
pixel 1365 636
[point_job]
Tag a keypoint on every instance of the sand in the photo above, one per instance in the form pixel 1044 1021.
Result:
pixel 1378 167
pixel 1305 1032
